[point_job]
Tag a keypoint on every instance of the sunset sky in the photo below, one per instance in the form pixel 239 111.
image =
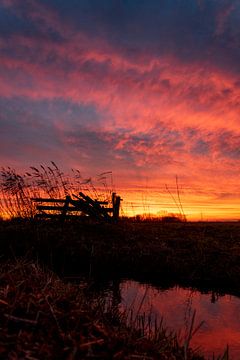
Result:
pixel 148 89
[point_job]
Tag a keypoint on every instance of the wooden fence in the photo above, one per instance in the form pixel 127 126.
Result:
pixel 81 205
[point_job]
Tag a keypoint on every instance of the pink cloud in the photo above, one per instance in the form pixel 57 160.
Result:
pixel 148 96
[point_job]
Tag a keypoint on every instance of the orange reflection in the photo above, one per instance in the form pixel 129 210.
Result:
pixel 221 318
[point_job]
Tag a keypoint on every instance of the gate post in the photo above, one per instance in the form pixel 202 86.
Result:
pixel 116 206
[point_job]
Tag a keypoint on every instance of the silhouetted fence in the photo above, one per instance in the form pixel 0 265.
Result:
pixel 82 205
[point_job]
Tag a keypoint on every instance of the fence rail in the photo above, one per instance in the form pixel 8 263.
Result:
pixel 82 205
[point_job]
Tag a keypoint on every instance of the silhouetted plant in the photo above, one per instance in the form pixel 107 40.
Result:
pixel 15 194
pixel 16 190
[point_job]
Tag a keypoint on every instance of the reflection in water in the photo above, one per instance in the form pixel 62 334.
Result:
pixel 221 315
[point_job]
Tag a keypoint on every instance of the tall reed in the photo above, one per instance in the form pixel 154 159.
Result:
pixel 17 190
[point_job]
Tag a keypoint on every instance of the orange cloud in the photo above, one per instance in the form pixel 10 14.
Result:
pixel 159 114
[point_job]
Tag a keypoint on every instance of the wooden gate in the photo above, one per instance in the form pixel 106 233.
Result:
pixel 78 205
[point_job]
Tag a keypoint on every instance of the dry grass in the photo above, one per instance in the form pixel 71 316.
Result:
pixel 17 189
pixel 43 318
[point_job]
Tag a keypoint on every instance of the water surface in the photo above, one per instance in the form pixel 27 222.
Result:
pixel 221 314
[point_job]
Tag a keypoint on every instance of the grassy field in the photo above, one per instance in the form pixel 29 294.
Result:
pixel 201 255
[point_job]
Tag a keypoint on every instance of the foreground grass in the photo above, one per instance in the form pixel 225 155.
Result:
pixel 203 255
pixel 43 318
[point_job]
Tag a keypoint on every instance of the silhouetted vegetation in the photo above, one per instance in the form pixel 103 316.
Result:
pixel 17 189
pixel 162 251
pixel 45 318
pixel 203 255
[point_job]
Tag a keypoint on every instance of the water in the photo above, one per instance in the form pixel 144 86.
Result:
pixel 221 315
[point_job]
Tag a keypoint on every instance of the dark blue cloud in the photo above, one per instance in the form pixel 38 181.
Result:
pixel 229 145
pixel 198 30
pixel 194 30
pixel 11 23
pixel 15 21
pixel 201 147
pixel 26 124
pixel 24 110
pixel 222 143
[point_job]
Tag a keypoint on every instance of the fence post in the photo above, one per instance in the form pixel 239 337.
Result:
pixel 116 206
pixel 65 208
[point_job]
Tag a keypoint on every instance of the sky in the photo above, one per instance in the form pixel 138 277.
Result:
pixel 147 89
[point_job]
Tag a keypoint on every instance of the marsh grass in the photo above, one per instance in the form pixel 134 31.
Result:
pixel 44 318
pixel 17 189
pixel 15 195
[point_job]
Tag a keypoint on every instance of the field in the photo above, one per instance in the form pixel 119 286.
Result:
pixel 194 254
pixel 201 255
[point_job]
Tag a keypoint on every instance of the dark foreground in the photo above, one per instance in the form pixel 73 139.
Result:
pixel 44 318
pixel 202 255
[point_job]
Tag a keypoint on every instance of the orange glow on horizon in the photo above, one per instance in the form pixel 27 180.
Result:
pixel 194 207
pixel 158 202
